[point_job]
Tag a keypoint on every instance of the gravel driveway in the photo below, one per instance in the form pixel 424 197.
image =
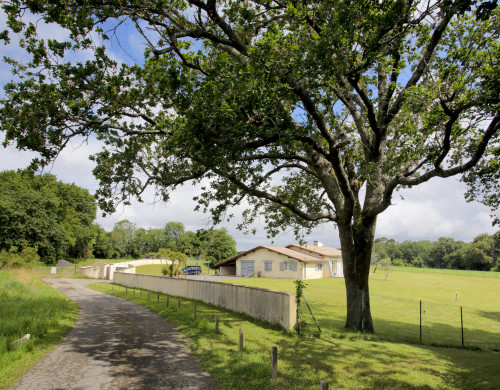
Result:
pixel 115 344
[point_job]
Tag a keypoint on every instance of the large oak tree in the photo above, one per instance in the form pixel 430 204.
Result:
pixel 310 111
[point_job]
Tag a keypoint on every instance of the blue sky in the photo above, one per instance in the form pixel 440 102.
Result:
pixel 429 211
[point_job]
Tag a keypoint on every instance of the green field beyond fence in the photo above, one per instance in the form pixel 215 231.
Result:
pixel 395 304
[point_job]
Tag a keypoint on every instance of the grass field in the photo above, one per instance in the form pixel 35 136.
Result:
pixel 28 306
pixel 347 363
pixel 458 272
pixel 395 304
pixel 155 269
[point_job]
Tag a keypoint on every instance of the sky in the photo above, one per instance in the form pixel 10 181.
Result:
pixel 426 212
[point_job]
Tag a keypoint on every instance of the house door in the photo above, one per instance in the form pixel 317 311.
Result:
pixel 247 267
pixel 334 267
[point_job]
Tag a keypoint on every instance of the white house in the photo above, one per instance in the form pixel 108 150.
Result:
pixel 290 262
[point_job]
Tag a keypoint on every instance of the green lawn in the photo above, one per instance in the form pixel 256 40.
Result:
pixel 27 305
pixel 155 269
pixel 395 304
pixel 347 363
pixel 88 262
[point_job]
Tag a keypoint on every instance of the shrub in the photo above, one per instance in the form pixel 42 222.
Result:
pixel 15 258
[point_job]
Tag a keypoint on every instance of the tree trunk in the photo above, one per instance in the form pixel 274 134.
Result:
pixel 357 243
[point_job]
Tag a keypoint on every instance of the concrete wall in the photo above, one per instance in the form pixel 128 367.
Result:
pixel 272 306
pixel 94 271
pixel 106 271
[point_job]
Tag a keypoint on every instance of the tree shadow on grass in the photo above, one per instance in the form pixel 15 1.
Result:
pixel 492 315
pixel 382 366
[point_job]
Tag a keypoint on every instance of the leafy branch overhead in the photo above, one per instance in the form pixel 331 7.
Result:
pixel 309 112
pixel 275 100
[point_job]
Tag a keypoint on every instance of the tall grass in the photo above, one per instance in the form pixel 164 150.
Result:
pixel 28 306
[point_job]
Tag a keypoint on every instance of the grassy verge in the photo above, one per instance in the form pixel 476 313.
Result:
pixel 348 363
pixel 28 306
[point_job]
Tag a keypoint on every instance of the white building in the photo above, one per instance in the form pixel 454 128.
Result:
pixel 291 262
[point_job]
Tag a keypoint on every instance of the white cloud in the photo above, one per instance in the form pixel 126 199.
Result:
pixel 432 210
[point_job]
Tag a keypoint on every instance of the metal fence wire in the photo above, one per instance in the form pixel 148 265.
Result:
pixel 402 319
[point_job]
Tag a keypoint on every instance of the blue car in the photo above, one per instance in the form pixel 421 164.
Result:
pixel 192 270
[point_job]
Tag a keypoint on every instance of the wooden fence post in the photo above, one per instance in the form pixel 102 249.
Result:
pixel 240 343
pixel 178 305
pixel 323 385
pixel 274 362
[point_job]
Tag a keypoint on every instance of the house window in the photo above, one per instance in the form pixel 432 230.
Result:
pixel 268 265
pixel 288 266
pixel 319 267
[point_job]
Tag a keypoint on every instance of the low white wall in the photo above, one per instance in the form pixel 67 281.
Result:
pixel 276 307
pixel 106 271
pixel 94 271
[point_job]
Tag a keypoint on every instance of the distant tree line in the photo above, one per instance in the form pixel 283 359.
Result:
pixel 481 254
pixel 126 240
pixel 42 219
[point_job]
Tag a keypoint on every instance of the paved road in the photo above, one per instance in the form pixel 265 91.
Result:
pixel 115 344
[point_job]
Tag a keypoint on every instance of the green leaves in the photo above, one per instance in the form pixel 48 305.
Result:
pixel 41 212
pixel 293 107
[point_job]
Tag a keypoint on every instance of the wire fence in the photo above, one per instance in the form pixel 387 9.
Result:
pixel 54 271
pixel 403 319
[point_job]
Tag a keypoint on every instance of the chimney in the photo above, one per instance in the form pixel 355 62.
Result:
pixel 318 243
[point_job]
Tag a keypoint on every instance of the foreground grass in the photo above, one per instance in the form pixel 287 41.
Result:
pixel 395 304
pixel 348 363
pixel 27 305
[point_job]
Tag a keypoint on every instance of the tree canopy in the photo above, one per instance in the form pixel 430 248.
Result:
pixel 128 240
pixel 310 111
pixel 481 254
pixel 39 211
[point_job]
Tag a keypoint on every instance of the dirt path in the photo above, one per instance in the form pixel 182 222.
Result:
pixel 116 344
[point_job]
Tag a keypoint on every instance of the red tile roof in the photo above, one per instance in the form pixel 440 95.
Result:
pixel 278 249
pixel 319 250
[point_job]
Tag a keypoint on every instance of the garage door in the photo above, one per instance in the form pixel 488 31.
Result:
pixel 247 267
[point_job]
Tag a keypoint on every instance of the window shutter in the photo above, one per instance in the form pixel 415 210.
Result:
pixel 294 266
pixel 282 266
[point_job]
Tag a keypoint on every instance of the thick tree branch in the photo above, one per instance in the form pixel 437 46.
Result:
pixel 400 179
pixel 422 65
pixel 275 199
